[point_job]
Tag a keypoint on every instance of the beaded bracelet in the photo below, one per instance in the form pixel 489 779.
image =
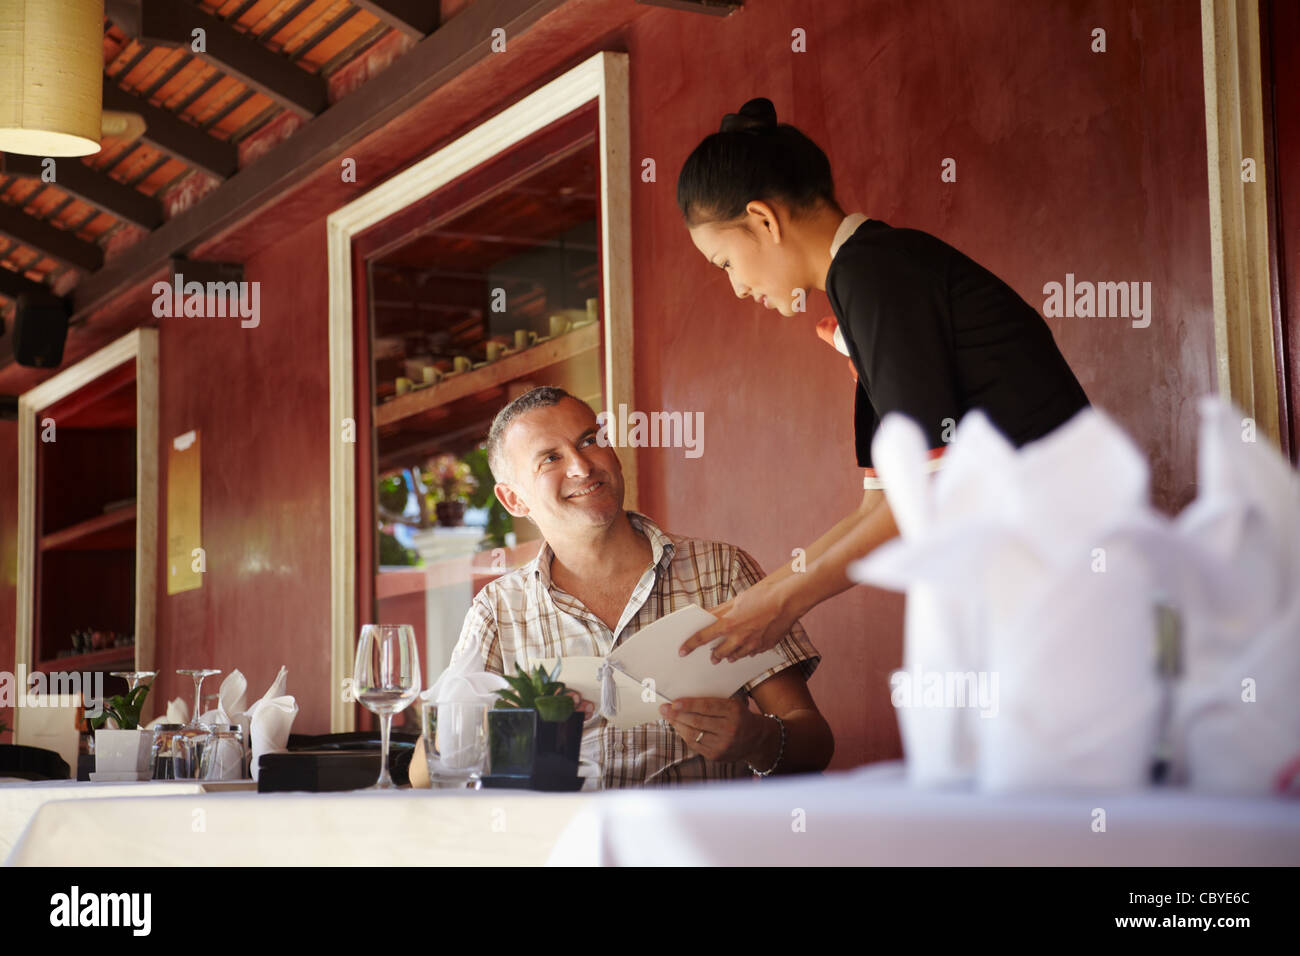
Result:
pixel 779 753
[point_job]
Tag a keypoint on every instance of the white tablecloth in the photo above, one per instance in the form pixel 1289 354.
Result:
pixel 407 827
pixel 860 817
pixel 20 799
pixel 869 816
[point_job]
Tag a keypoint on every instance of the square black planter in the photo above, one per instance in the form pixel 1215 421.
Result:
pixel 526 752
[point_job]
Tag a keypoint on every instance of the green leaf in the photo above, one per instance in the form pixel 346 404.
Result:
pixel 517 683
pixel 555 709
pixel 507 699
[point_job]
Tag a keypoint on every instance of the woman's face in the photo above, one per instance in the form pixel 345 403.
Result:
pixel 762 262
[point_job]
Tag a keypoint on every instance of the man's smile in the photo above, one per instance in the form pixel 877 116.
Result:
pixel 588 489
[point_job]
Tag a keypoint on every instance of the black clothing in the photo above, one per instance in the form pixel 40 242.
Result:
pixel 933 334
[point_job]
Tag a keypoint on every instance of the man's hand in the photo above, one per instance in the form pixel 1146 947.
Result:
pixel 731 731
pixel 581 703
pixel 750 623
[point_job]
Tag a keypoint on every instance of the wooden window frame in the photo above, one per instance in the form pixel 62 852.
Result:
pixel 1248 339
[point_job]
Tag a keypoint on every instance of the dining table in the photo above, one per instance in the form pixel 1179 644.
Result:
pixel 868 815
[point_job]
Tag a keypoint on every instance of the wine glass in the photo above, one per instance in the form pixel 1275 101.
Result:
pixel 199 675
pixel 133 678
pixel 386 679
pixel 195 731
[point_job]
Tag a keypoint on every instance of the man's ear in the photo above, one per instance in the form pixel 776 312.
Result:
pixel 511 500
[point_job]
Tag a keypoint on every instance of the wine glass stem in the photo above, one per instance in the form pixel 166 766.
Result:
pixel 385 728
pixel 198 695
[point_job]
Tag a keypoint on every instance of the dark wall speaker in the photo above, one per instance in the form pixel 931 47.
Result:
pixel 40 327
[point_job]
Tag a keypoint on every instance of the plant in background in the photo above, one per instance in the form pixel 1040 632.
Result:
pixel 449 479
pixel 392 552
pixel 539 691
pixel 499 523
pixel 123 708
pixel 450 484
pixel 393 495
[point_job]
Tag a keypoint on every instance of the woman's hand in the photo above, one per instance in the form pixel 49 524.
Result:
pixel 750 623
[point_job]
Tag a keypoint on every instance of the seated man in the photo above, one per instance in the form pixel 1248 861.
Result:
pixel 604 573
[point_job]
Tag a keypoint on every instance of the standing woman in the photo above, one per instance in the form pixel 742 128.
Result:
pixel 929 332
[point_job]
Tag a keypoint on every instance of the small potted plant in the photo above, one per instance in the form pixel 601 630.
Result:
pixel 534 733
pixel 451 482
pixel 124 750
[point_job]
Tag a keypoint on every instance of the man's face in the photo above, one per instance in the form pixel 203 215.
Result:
pixel 559 475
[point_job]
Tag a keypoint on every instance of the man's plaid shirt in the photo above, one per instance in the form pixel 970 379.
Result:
pixel 522 615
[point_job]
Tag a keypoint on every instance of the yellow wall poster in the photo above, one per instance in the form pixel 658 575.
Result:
pixel 185 558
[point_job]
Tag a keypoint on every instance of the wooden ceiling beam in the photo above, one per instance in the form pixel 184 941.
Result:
pixel 13 284
pixel 437 60
pixel 59 244
pixel 716 8
pixel 173 23
pixel 89 185
pixel 416 18
pixel 175 137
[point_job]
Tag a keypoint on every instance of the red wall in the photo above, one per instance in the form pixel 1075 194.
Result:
pixel 259 398
pixel 1067 161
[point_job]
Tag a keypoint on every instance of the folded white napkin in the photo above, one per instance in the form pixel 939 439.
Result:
pixel 459 740
pixel 1030 630
pixel 270 718
pixel 178 712
pixel 462 681
pixel 228 761
pixel 231 699
pixel 1237 724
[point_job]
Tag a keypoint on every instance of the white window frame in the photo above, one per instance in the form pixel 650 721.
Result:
pixel 603 78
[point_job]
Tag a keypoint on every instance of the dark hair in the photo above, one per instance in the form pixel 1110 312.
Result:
pixel 752 156
pixel 541 397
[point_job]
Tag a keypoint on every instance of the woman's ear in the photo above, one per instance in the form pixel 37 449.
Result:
pixel 766 218
pixel 510 500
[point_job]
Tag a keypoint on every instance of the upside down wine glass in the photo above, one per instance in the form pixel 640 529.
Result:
pixel 133 678
pixel 386 679
pixel 195 733
pixel 199 674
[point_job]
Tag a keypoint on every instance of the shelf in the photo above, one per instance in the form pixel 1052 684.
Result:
pixel 520 365
pixel 107 659
pixel 107 532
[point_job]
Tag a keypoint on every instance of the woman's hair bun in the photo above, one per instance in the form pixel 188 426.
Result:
pixel 755 116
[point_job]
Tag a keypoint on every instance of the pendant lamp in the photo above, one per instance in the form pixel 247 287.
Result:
pixel 51 76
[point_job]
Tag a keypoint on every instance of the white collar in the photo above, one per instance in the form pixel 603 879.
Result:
pixel 848 227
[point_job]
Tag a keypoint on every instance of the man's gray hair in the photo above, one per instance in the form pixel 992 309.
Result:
pixel 543 396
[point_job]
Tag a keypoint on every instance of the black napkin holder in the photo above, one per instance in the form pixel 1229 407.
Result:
pixel 32 763
pixel 333 763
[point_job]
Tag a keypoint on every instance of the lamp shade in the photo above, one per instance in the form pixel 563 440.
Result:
pixel 51 76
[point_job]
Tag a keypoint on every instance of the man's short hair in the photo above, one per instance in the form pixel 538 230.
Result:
pixel 541 397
